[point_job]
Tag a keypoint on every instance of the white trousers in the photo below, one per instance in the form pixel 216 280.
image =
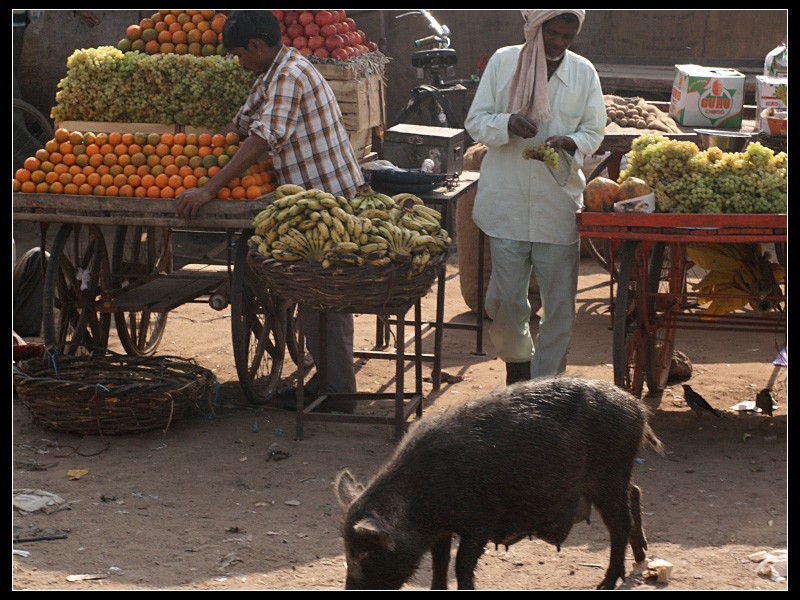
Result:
pixel 556 269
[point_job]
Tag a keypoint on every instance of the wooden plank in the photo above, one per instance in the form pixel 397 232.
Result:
pixel 164 294
pixel 117 126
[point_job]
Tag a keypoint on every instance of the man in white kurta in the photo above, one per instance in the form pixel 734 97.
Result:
pixel 528 208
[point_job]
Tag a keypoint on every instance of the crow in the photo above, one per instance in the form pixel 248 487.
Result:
pixel 765 402
pixel 697 403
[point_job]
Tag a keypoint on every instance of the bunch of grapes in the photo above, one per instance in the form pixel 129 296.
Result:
pixel 688 180
pixel 543 152
pixel 105 84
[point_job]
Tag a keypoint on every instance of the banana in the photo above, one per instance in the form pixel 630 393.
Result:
pixel 286 255
pixel 345 247
pixel 271 236
pixel 343 258
pixel 378 262
pixel 374 213
pixel 291 222
pixel 307 224
pixel 373 247
pixel 288 189
pixel 410 223
pixel 324 232
pixel 265 225
pixel 328 201
pixel 338 227
pixel 326 217
pixel 431 213
pixel 387 201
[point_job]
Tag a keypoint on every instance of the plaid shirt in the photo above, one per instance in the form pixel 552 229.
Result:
pixel 293 108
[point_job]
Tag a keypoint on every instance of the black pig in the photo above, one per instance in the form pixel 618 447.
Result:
pixel 528 460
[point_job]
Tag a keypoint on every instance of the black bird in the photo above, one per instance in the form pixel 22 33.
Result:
pixel 764 401
pixel 697 403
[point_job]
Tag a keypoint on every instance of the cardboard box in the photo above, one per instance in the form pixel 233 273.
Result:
pixel 707 97
pixel 768 92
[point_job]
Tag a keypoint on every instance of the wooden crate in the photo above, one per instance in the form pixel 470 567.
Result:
pixel 361 98
pixel 117 126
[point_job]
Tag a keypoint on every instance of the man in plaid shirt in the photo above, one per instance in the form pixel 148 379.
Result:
pixel 293 115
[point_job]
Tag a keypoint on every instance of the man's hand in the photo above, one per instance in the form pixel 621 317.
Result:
pixel 561 142
pixel 188 204
pixel 522 126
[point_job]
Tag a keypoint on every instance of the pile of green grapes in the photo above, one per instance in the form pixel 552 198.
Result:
pixel 105 84
pixel 688 180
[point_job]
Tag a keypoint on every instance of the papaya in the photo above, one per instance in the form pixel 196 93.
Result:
pixel 633 187
pixel 600 194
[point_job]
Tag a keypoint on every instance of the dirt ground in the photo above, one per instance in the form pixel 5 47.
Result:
pixel 235 502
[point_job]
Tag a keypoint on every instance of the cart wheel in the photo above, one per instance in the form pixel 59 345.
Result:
pixel 665 292
pixel 77 278
pixel 260 326
pixel 138 253
pixel 630 334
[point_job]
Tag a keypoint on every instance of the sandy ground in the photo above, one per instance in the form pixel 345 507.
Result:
pixel 234 502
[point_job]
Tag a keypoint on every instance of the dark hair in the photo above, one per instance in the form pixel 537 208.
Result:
pixel 245 25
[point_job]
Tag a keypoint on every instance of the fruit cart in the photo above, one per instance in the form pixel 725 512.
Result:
pixel 651 284
pixel 85 287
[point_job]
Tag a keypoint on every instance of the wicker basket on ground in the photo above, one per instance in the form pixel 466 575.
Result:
pixel 109 394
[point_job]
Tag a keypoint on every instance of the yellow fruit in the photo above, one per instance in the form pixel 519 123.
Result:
pixel 600 194
pixel 633 188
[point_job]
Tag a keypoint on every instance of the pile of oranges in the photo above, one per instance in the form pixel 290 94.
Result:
pixel 197 32
pixel 138 165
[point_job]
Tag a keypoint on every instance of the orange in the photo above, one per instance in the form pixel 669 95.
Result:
pixel 152 47
pixel 100 190
pixel 162 180
pixel 176 150
pixel 209 161
pixel 37 176
pixel 190 150
pixel 112 190
pixel 126 190
pixel 218 151
pixel 79 179
pixel 50 177
pixel 156 170
pixel 167 138
pixel 208 50
pixel 224 194
pixel 204 139
pixel 75 169
pixel 133 32
pixel 106 179
pixel 85 189
pixel 56 187
pixel 232 137
pixel 32 163
pixel 174 181
pixel 42 154
pixel 148 180
pixel 61 135
pixel 120 149
pixel 65 178
pixel 82 160
pixel 167 48
pixel 106 148
pixel 96 160
pixel 203 26
pixel 101 138
pixel 175 27
pixel 70 189
pixel 200 172
pixel 28 187
pixel 143 170
pixel 65 148
pixel 92 149
pixel 203 151
pixel 167 160
pixel 60 168
pixel 189 26
pixel 182 160
pixel 140 192
pixel 179 37
pixel 190 181
pixel 56 158
pixel 93 179
pixel 42 187
pixel 218 140
pixel 110 159
pixel 218 22
pixel 171 169
pixel 162 149
pixel 75 138
pixel 164 36
pixel 127 139
pixel 184 170
pixel 123 160
pixel 47 166
pixel 167 192
pixel 154 192
pixel 146 23
pixel 114 138
pixel 138 159
pixel 51 145
pixel 238 193
pixel 195 49
pixel 120 180
pixel 134 179
pixel 22 175
pixel 253 192
pixel 115 169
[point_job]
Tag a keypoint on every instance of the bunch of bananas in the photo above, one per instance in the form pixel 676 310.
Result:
pixel 318 227
pixel 737 275
pixel 371 204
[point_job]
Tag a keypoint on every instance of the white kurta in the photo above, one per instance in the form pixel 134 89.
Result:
pixel 522 199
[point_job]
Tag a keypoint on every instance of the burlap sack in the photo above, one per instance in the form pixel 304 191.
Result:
pixel 467 235
pixel 658 120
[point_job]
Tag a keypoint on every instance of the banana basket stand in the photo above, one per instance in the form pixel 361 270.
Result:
pixel 652 279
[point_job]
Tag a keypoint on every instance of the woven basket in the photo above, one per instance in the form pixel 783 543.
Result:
pixel 346 289
pixel 112 394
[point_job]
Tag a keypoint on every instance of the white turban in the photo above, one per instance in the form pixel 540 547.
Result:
pixel 528 94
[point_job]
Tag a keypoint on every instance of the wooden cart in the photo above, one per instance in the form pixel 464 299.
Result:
pixel 85 287
pixel 651 295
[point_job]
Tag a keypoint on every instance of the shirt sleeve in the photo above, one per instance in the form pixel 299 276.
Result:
pixel 276 119
pixel 486 122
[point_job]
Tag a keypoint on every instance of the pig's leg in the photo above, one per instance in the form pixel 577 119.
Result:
pixel 470 550
pixel 440 555
pixel 638 540
pixel 613 506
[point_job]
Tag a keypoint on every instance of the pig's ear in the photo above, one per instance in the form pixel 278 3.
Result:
pixel 346 488
pixel 373 528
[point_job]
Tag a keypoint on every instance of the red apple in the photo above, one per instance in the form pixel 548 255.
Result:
pixel 323 17
pixel 362 37
pixel 285 40
pixel 322 53
pixel 339 15
pixel 340 54
pixel 373 47
pixel 351 24
pixel 290 16
pixel 316 41
pixel 334 42
pixel 328 30
pixel 311 30
pixel 305 17
pixel 294 30
pixel 306 51
pixel 342 28
pixel 278 14
pixel 300 42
